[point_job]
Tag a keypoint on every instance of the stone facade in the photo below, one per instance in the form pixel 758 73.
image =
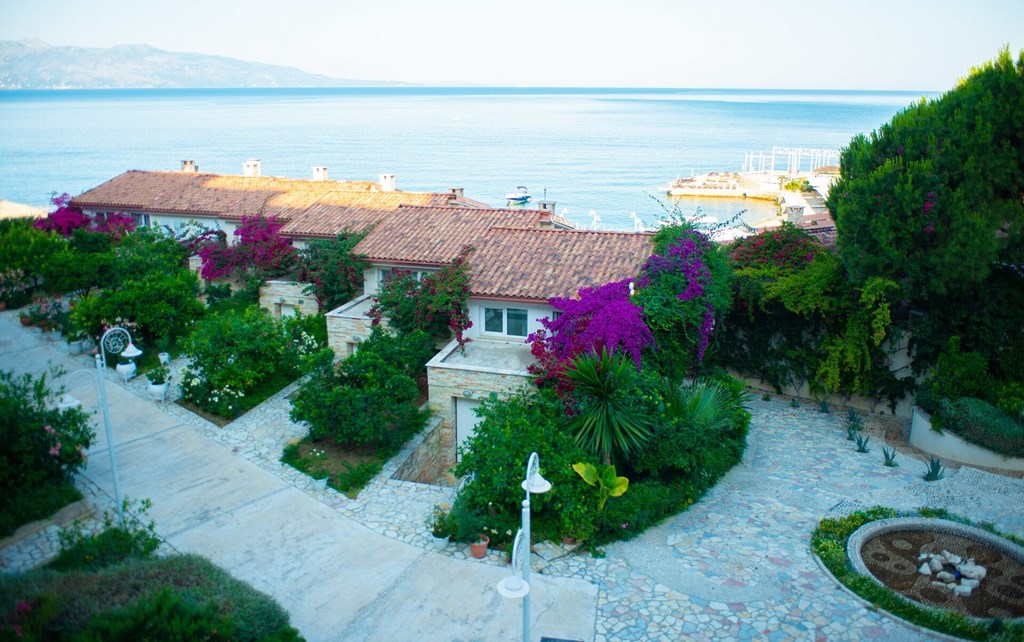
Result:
pixel 447 382
pixel 281 298
pixel 348 325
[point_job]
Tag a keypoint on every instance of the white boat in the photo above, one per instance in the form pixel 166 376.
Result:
pixel 521 195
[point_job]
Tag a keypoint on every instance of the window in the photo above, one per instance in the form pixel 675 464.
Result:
pixel 494 320
pixel 516 322
pixel 386 273
pixel 511 321
pixel 141 220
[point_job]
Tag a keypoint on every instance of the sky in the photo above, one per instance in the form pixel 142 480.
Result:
pixel 924 45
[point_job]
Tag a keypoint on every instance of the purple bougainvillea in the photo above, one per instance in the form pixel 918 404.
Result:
pixel 602 317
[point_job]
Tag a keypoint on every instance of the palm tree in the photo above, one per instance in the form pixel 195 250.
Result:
pixel 608 424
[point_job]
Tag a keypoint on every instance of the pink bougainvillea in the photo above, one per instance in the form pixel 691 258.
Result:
pixel 260 247
pixel 64 218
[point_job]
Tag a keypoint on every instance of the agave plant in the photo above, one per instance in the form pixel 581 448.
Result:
pixel 890 457
pixel 851 433
pixel 862 444
pixel 935 471
pixel 824 406
pixel 607 425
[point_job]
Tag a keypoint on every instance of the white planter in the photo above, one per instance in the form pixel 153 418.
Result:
pixel 948 446
pixel 440 543
pixel 76 347
pixel 126 370
pixel 159 390
pixel 320 484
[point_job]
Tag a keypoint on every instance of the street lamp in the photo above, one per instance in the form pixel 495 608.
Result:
pixel 116 341
pixel 519 586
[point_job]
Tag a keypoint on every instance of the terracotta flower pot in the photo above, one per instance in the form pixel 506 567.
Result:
pixel 25 321
pixel 478 549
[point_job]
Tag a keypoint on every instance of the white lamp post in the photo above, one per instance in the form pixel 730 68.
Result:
pixel 116 341
pixel 514 587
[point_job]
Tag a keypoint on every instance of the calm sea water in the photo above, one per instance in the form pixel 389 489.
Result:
pixel 601 150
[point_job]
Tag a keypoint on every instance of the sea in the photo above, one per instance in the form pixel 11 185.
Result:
pixel 602 155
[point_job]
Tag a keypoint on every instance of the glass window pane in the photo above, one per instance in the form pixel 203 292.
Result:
pixel 493 321
pixel 517 322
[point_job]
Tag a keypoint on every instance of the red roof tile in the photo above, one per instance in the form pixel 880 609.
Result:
pixel 435 235
pixel 538 264
pixel 309 208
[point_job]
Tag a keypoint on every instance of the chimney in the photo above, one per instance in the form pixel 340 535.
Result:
pixel 456 192
pixel 251 167
pixel 546 206
pixel 189 167
pixel 319 173
pixel 387 182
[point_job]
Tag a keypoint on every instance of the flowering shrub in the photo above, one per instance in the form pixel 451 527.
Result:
pixel 13 285
pixel 64 219
pixel 437 303
pixel 785 247
pixel 231 356
pixel 603 317
pixel 40 446
pixel 332 270
pixel 260 249
pixel 683 288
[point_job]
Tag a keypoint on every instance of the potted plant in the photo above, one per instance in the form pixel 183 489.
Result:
pixel 469 526
pixel 317 469
pixel 76 341
pixel 440 524
pixel 126 368
pixel 159 381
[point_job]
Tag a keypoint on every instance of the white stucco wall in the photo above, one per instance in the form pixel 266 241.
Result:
pixel 534 313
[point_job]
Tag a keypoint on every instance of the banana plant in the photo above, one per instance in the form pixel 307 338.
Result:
pixel 604 479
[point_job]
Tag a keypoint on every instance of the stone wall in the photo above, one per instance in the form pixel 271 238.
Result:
pixel 347 327
pixel 427 464
pixel 282 296
pixel 447 382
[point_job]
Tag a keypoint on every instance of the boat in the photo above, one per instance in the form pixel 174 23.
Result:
pixel 520 196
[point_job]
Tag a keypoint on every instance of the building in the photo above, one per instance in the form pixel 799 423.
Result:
pixel 521 258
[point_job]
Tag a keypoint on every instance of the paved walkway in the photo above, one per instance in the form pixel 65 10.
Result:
pixel 736 566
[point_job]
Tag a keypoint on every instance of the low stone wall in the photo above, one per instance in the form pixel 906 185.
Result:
pixel 948 446
pixel 276 296
pixel 427 463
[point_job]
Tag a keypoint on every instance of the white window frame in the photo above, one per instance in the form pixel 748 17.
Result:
pixel 505 321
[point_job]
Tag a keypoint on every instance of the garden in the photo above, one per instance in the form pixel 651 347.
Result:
pixel 111 585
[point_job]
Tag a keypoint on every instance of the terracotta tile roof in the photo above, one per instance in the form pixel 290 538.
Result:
pixel 311 208
pixel 336 212
pixel 435 235
pixel 537 264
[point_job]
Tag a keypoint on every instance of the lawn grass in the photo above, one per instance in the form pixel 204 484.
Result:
pixel 32 504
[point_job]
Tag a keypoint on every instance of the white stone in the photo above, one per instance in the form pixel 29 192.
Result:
pixel 935 583
pixel 922 556
pixel 936 564
pixel 969 582
pixel 944 576
pixel 954 559
pixel 925 569
pixel 962 591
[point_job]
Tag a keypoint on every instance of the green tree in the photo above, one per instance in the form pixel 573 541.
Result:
pixel 333 271
pixel 932 198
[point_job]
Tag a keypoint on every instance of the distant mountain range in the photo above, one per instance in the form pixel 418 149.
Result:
pixel 34 64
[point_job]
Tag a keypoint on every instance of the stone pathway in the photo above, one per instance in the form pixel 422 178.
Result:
pixel 736 566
